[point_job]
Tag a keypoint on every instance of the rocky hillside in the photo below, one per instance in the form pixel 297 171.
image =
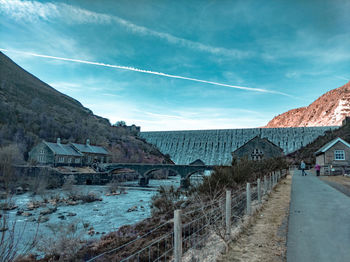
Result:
pixel 31 110
pixel 328 110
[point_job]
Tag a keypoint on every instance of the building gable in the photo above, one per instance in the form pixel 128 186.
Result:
pixel 258 148
pixel 330 144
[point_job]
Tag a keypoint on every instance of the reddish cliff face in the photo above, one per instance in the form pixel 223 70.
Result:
pixel 328 110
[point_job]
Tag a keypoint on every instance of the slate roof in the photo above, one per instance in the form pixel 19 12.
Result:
pixel 262 139
pixel 90 149
pixel 330 144
pixel 62 149
pixel 197 162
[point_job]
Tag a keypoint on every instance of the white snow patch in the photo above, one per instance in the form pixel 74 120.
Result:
pixel 340 111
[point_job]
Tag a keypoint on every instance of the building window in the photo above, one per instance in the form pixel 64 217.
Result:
pixel 89 159
pixel 257 155
pixel 69 160
pixel 42 151
pixel 77 160
pixel 339 155
pixel 61 160
pixel 41 159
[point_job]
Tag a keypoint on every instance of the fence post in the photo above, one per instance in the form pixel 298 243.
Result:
pixel 249 209
pixel 177 236
pixel 228 213
pixel 265 185
pixel 271 181
pixel 276 177
pixel 259 191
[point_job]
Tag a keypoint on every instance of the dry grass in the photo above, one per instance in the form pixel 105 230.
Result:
pixel 341 183
pixel 265 239
pixel 343 180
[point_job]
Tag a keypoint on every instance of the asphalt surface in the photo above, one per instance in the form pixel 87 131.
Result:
pixel 319 222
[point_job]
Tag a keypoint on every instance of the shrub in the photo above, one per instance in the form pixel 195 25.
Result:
pixel 240 172
pixel 167 200
pixel 68 185
pixel 63 243
pixel 113 185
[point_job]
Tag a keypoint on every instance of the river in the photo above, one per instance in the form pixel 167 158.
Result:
pixel 103 216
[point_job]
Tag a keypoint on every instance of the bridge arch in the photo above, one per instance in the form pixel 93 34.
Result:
pixel 143 171
pixel 149 171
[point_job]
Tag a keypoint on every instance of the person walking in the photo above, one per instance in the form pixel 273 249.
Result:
pixel 302 167
pixel 318 169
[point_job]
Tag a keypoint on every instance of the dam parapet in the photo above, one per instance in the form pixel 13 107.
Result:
pixel 214 147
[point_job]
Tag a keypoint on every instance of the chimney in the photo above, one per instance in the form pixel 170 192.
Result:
pixel 59 141
pixel 87 142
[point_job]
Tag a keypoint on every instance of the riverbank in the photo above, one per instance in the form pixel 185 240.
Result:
pixel 91 220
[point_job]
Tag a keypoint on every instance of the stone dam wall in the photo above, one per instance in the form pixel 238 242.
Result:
pixel 214 147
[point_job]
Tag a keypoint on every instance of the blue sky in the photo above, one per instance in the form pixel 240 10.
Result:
pixel 261 58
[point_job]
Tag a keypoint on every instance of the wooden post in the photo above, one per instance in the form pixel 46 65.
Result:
pixel 265 185
pixel 228 213
pixel 259 191
pixel 177 236
pixel 249 208
pixel 270 182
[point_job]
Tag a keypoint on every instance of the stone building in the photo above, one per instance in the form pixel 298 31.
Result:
pixel 257 149
pixel 56 154
pixel 334 157
pixel 72 154
pixel 92 154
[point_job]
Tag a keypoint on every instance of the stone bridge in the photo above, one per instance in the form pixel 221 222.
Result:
pixel 144 170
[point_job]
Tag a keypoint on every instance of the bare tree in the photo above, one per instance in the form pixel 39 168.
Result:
pixel 64 241
pixel 69 185
pixel 13 244
pixel 9 156
pixel 212 208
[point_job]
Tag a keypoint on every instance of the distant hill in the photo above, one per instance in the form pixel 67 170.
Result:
pixel 31 110
pixel 328 110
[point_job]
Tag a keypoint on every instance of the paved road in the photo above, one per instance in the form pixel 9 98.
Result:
pixel 319 222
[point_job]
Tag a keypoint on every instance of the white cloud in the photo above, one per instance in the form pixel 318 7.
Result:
pixel 306 45
pixel 259 90
pixel 199 118
pixel 343 78
pixel 66 87
pixel 33 11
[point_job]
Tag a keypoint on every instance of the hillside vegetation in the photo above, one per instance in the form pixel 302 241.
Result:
pixel 307 153
pixel 31 110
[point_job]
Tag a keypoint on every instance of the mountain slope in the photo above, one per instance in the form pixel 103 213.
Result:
pixel 328 110
pixel 31 110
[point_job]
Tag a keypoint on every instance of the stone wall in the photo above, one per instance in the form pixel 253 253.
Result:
pixel 214 147
pixel 100 178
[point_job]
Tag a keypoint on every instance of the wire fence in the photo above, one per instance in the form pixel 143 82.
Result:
pixel 167 240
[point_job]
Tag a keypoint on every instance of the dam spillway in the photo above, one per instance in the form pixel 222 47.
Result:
pixel 214 147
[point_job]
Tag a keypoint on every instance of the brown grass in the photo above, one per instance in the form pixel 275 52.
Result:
pixel 343 180
pixel 265 239
pixel 341 183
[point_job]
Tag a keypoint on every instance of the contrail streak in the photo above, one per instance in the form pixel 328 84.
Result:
pixel 146 72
